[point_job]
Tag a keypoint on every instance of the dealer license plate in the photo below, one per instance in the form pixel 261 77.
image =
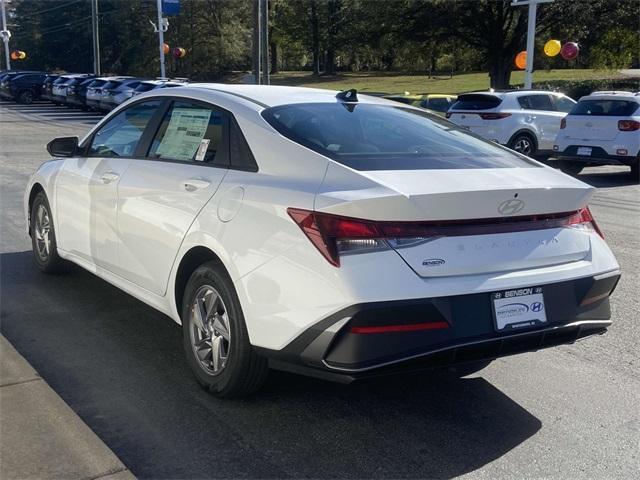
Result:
pixel 584 151
pixel 518 309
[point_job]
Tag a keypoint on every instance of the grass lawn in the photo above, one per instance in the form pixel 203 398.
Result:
pixel 393 83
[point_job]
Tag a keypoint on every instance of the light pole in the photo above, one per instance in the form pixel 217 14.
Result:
pixel 531 36
pixel 96 37
pixel 161 30
pixel 6 35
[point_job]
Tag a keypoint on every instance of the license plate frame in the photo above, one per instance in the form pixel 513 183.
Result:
pixel 585 151
pixel 518 309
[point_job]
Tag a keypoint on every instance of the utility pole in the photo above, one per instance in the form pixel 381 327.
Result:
pixel 6 35
pixel 256 40
pixel 161 29
pixel 531 36
pixel 96 37
pixel 264 41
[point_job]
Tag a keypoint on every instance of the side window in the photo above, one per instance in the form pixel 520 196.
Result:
pixel 120 136
pixel 241 156
pixel 439 104
pixel 563 104
pixel 192 132
pixel 536 102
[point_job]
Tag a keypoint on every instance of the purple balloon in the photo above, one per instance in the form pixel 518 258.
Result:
pixel 569 50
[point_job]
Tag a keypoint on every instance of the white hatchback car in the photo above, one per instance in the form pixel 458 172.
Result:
pixel 602 129
pixel 526 121
pixel 322 233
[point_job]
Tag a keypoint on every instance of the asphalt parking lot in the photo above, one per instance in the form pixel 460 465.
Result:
pixel 567 412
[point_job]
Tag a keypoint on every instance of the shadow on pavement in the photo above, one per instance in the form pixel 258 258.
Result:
pixel 607 179
pixel 119 365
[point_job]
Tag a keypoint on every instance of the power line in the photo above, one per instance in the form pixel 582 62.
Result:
pixel 51 9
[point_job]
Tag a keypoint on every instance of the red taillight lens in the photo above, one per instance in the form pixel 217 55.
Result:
pixel 584 217
pixel 628 125
pixel 494 116
pixel 563 123
pixel 407 327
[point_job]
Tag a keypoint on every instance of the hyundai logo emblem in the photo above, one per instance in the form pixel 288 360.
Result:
pixel 536 307
pixel 511 207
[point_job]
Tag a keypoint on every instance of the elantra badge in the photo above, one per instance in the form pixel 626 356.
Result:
pixel 511 207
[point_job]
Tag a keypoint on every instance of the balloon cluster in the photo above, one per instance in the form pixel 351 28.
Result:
pixel 18 55
pixel 568 51
pixel 177 52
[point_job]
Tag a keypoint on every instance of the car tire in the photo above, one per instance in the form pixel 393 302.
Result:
pixel 571 168
pixel 43 237
pixel 524 143
pixel 25 97
pixel 635 171
pixel 215 338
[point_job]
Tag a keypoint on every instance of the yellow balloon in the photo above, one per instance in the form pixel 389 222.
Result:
pixel 22 55
pixel 521 60
pixel 552 48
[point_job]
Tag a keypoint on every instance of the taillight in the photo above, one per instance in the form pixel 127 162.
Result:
pixel 628 125
pixel 563 123
pixel 494 116
pixel 334 235
pixel 583 218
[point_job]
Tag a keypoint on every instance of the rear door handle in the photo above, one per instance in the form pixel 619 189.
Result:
pixel 193 184
pixel 109 177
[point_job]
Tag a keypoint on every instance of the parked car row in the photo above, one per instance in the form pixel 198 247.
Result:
pixel 77 90
pixel 600 129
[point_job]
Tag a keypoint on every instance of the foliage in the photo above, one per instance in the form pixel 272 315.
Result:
pixel 325 37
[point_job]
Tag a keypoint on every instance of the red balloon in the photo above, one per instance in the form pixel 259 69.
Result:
pixel 569 50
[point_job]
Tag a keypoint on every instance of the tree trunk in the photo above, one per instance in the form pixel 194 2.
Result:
pixel 500 72
pixel 315 38
pixel 274 57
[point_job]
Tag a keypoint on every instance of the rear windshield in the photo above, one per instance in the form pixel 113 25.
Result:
pixel 96 83
pixel 144 87
pixel 385 137
pixel 111 84
pixel 607 108
pixel 476 102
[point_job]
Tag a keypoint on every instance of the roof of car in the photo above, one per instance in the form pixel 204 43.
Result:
pixel 503 93
pixel 633 96
pixel 271 95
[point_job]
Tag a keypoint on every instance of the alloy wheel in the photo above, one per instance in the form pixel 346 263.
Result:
pixel 43 233
pixel 523 145
pixel 210 331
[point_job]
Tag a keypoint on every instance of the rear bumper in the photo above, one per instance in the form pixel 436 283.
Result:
pixel 332 349
pixel 598 156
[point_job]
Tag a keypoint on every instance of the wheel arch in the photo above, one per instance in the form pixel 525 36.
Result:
pixel 36 188
pixel 189 262
pixel 526 131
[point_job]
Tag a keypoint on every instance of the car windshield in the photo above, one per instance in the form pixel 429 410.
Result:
pixel 385 137
pixel 604 107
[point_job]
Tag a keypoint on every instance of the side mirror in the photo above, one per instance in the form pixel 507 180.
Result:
pixel 63 147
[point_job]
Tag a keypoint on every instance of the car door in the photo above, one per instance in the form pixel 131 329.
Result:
pixel 541 108
pixel 159 197
pixel 86 186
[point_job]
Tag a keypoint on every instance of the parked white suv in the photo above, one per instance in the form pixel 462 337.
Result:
pixel 524 120
pixel 602 129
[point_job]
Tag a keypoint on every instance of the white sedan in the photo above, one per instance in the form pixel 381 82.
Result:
pixel 325 233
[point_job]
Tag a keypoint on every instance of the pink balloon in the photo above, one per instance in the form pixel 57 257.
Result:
pixel 569 50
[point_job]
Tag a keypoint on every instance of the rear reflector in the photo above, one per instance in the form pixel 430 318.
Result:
pixel 628 125
pixel 328 232
pixel 410 327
